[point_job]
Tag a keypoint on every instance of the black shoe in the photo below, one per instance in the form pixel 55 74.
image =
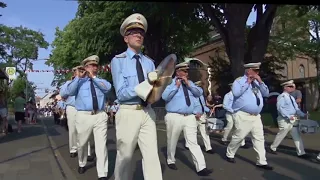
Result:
pixel 305 156
pixel 186 147
pixel 269 150
pixel 102 178
pixel 90 158
pixel 230 160
pixel 204 172
pixel 246 146
pixel 73 155
pixel 225 143
pixel 210 151
pixel 81 170
pixel 265 167
pixel 172 166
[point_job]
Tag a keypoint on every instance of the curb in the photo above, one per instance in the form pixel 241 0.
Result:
pixel 64 168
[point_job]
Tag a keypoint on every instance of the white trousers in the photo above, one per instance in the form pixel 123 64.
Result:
pixel 85 125
pixel 203 132
pixel 244 124
pixel 132 127
pixel 229 127
pixel 175 123
pixel 284 127
pixel 73 138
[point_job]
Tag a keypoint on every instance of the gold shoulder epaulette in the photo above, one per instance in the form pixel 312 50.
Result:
pixel 122 55
pixel 239 78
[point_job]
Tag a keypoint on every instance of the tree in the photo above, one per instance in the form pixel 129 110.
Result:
pixel 230 21
pixel 172 28
pixel 19 85
pixel 299 34
pixel 21 45
pixel 2 5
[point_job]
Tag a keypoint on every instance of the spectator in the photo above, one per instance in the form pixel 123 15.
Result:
pixel 297 96
pixel 19 109
pixel 3 112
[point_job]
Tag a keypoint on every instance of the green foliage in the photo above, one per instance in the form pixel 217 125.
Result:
pixel 20 43
pixel 172 28
pixel 18 86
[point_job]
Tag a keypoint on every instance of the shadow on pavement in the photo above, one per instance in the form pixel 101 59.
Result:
pixel 305 171
pixel 23 155
pixel 27 131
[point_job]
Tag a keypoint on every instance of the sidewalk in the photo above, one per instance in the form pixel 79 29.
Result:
pixel 28 155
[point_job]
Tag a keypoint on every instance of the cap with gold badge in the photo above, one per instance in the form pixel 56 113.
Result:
pixel 182 66
pixel 252 65
pixel 134 21
pixel 94 59
pixel 288 83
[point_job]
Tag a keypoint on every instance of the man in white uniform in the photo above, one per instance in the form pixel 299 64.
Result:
pixel 71 116
pixel 202 123
pixel 248 92
pixel 90 94
pixel 182 110
pixel 135 119
pixel 288 112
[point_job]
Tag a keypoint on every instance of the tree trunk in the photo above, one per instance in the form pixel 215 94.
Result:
pixel 258 37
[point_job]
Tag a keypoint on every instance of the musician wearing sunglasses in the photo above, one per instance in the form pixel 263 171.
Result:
pixel 183 108
pixel 248 92
pixel 71 113
pixel 135 119
pixel 288 113
pixel 90 95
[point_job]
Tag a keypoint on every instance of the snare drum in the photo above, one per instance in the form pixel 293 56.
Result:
pixel 308 126
pixel 214 124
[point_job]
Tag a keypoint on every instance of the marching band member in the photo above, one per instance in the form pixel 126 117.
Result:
pixel 90 92
pixel 71 116
pixel 227 105
pixel 288 111
pixel 248 92
pixel 135 120
pixel 201 123
pixel 181 106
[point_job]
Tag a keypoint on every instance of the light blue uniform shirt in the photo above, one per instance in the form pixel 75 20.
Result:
pixel 176 102
pixel 61 104
pixel 80 88
pixel 285 107
pixel 228 101
pixel 125 78
pixel 244 98
pixel 70 100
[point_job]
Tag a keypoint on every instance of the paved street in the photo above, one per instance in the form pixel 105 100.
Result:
pixel 29 156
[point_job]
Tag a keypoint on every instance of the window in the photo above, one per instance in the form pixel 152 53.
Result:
pixel 301 71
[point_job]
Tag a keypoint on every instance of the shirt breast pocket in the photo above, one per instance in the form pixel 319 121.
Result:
pixel 84 91
pixel 130 77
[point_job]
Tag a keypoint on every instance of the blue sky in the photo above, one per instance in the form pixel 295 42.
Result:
pixel 45 16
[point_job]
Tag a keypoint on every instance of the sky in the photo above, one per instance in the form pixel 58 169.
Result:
pixel 45 16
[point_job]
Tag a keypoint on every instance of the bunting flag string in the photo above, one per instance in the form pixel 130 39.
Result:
pixel 105 68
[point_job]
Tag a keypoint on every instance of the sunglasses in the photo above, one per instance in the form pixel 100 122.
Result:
pixel 136 31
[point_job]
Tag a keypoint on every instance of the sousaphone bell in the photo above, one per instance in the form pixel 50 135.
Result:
pixel 152 88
